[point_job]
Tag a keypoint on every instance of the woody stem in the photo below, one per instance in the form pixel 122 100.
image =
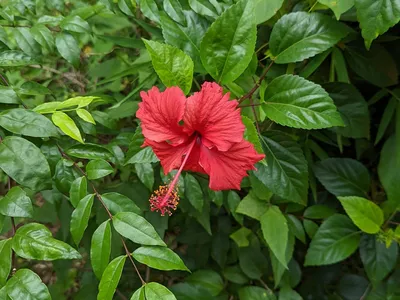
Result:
pixel 174 181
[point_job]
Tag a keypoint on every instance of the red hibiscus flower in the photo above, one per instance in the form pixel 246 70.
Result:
pixel 202 133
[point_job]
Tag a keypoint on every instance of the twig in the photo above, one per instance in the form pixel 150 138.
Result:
pixel 68 76
pixel 147 274
pixel 257 85
pixel 4 79
pixel 122 296
pixel 110 216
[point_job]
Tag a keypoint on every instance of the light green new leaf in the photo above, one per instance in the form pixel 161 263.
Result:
pixel 251 134
pixel 161 258
pixel 78 190
pixel 228 45
pixel 293 101
pixel 364 213
pixel 338 6
pixel 68 47
pixel 137 229
pixel 286 172
pixel 172 65
pixel 34 241
pixel 16 204
pixel 265 10
pixel 277 268
pixel 80 217
pixel 85 115
pixel 156 291
pixel 240 236
pixel 5 266
pixel 252 206
pixel 343 176
pixel 275 231
pixel 376 17
pixel 100 248
pixel 26 284
pixel 26 122
pixel 336 239
pixel 300 35
pixel 378 260
pixel 23 162
pixel 193 192
pixel 98 168
pixel 67 125
pixel 139 294
pixel 110 279
pixel 14 58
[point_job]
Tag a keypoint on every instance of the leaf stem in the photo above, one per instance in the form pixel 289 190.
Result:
pixel 110 216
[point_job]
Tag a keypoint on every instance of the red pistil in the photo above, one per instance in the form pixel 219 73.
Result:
pixel 164 200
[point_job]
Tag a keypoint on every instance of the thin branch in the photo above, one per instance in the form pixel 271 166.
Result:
pixel 68 76
pixel 4 79
pixel 257 85
pixel 110 216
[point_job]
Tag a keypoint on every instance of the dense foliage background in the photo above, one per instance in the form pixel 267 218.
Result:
pixel 317 82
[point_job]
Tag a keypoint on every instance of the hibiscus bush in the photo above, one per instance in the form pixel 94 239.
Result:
pixel 199 149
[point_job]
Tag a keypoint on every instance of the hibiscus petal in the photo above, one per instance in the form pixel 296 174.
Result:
pixel 217 119
pixel 169 155
pixel 227 169
pixel 160 113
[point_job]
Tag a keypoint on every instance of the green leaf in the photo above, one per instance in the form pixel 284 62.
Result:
pixel 145 172
pixel 156 291
pixel 85 116
pixel 277 267
pixel 336 239
pixel 43 36
pixel 98 168
pixel 34 241
pixel 111 276
pixel 25 284
pixel 376 65
pixel 137 229
pixel 240 237
pixel 26 42
pixel 338 6
pixel 253 262
pixel 251 134
pixel 67 125
pixel 378 260
pixel 23 162
pixel 78 190
pixel 275 231
pixel 296 227
pixel 161 258
pixel 376 17
pixel 172 65
pixel 225 59
pixel 255 292
pixel 318 211
pixel 286 172
pixel 310 227
pixel 32 88
pixel 145 155
pixel 89 151
pixel 235 274
pixel 287 293
pixel 252 206
pixel 139 294
pixel 100 248
pixel 14 58
pixel 68 47
pixel 300 35
pixel 207 279
pixel 265 10
pixel 75 24
pixel 352 108
pixel 187 38
pixel 16 204
pixel 343 176
pixel 203 8
pixel 150 10
pixel 388 170
pixel 5 254
pixel 364 213
pixel 174 9
pixel 293 101
pixel 116 203
pixel 386 119
pixel 26 122
pixel 80 101
pixel 80 218
pixel 8 95
pixel 233 200
pixel 193 192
